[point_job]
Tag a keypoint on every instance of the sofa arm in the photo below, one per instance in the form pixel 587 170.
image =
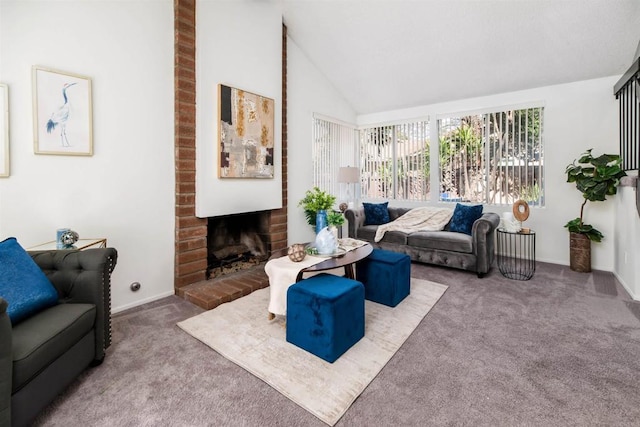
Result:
pixel 6 365
pixel 356 218
pixel 483 241
pixel 83 277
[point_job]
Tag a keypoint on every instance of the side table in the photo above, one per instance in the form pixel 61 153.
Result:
pixel 80 245
pixel 516 254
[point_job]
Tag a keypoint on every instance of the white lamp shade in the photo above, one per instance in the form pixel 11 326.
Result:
pixel 349 175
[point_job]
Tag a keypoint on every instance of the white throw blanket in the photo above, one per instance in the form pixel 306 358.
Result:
pixel 417 219
pixel 282 273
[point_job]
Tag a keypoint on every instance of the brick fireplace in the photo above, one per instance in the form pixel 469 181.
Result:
pixel 236 242
pixel 191 232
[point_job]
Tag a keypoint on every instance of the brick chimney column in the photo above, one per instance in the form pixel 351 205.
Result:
pixel 190 231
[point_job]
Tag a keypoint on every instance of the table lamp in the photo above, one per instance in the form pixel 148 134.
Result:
pixel 349 175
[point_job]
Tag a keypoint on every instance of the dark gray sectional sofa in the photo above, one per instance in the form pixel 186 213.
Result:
pixel 473 253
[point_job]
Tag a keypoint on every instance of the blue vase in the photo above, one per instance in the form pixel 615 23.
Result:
pixel 321 220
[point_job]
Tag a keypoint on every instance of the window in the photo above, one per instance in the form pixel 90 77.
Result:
pixel 395 161
pixel 493 158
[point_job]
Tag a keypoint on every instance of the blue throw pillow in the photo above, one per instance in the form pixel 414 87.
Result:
pixel 376 214
pixel 22 283
pixel 463 218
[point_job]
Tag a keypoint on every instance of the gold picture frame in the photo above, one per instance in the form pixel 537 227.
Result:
pixel 245 134
pixel 4 130
pixel 62 113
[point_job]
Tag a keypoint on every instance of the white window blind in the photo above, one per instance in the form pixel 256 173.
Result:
pixel 395 161
pixel 496 157
pixel 334 145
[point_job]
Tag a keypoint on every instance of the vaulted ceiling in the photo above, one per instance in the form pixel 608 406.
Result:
pixel 386 55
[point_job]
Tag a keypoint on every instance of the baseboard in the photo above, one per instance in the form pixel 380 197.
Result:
pixel 626 287
pixel 115 310
pixel 550 261
pixel 566 264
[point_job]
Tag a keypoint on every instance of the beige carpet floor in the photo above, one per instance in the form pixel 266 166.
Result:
pixel 240 331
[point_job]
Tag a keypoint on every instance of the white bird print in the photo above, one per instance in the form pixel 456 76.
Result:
pixel 60 117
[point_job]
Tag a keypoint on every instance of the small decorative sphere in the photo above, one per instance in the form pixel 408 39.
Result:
pixel 68 238
pixel 297 252
pixel 343 207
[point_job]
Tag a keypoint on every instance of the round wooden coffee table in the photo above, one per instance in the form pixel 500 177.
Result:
pixel 348 261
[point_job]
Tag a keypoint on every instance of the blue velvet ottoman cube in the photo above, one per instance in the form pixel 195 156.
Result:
pixel 386 276
pixel 325 315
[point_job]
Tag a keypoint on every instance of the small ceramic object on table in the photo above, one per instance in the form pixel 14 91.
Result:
pixel 326 242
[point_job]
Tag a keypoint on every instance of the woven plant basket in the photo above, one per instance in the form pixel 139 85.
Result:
pixel 579 252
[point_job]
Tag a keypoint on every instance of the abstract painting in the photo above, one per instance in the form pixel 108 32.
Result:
pixel 62 110
pixel 245 133
pixel 4 130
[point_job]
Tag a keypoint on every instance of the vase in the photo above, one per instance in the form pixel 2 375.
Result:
pixel 59 233
pixel 326 243
pixel 321 220
pixel 579 252
pixel 334 230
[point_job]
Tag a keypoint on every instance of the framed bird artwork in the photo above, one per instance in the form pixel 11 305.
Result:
pixel 62 113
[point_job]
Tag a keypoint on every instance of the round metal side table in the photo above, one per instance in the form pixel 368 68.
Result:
pixel 516 254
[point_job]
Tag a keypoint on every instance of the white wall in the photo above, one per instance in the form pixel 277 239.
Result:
pixel 239 44
pixel 125 191
pixel 627 238
pixel 578 116
pixel 308 92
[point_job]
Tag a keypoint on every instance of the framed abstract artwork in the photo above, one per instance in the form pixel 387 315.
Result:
pixel 4 130
pixel 245 134
pixel 62 113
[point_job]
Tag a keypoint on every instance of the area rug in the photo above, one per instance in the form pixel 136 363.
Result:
pixel 239 330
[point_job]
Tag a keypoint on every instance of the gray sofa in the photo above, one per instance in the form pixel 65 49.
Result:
pixel 41 355
pixel 473 253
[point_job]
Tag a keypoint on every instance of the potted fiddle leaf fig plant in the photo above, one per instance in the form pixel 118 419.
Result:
pixel 596 178
pixel 315 204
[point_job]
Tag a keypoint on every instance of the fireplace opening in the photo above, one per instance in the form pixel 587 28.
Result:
pixel 236 242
